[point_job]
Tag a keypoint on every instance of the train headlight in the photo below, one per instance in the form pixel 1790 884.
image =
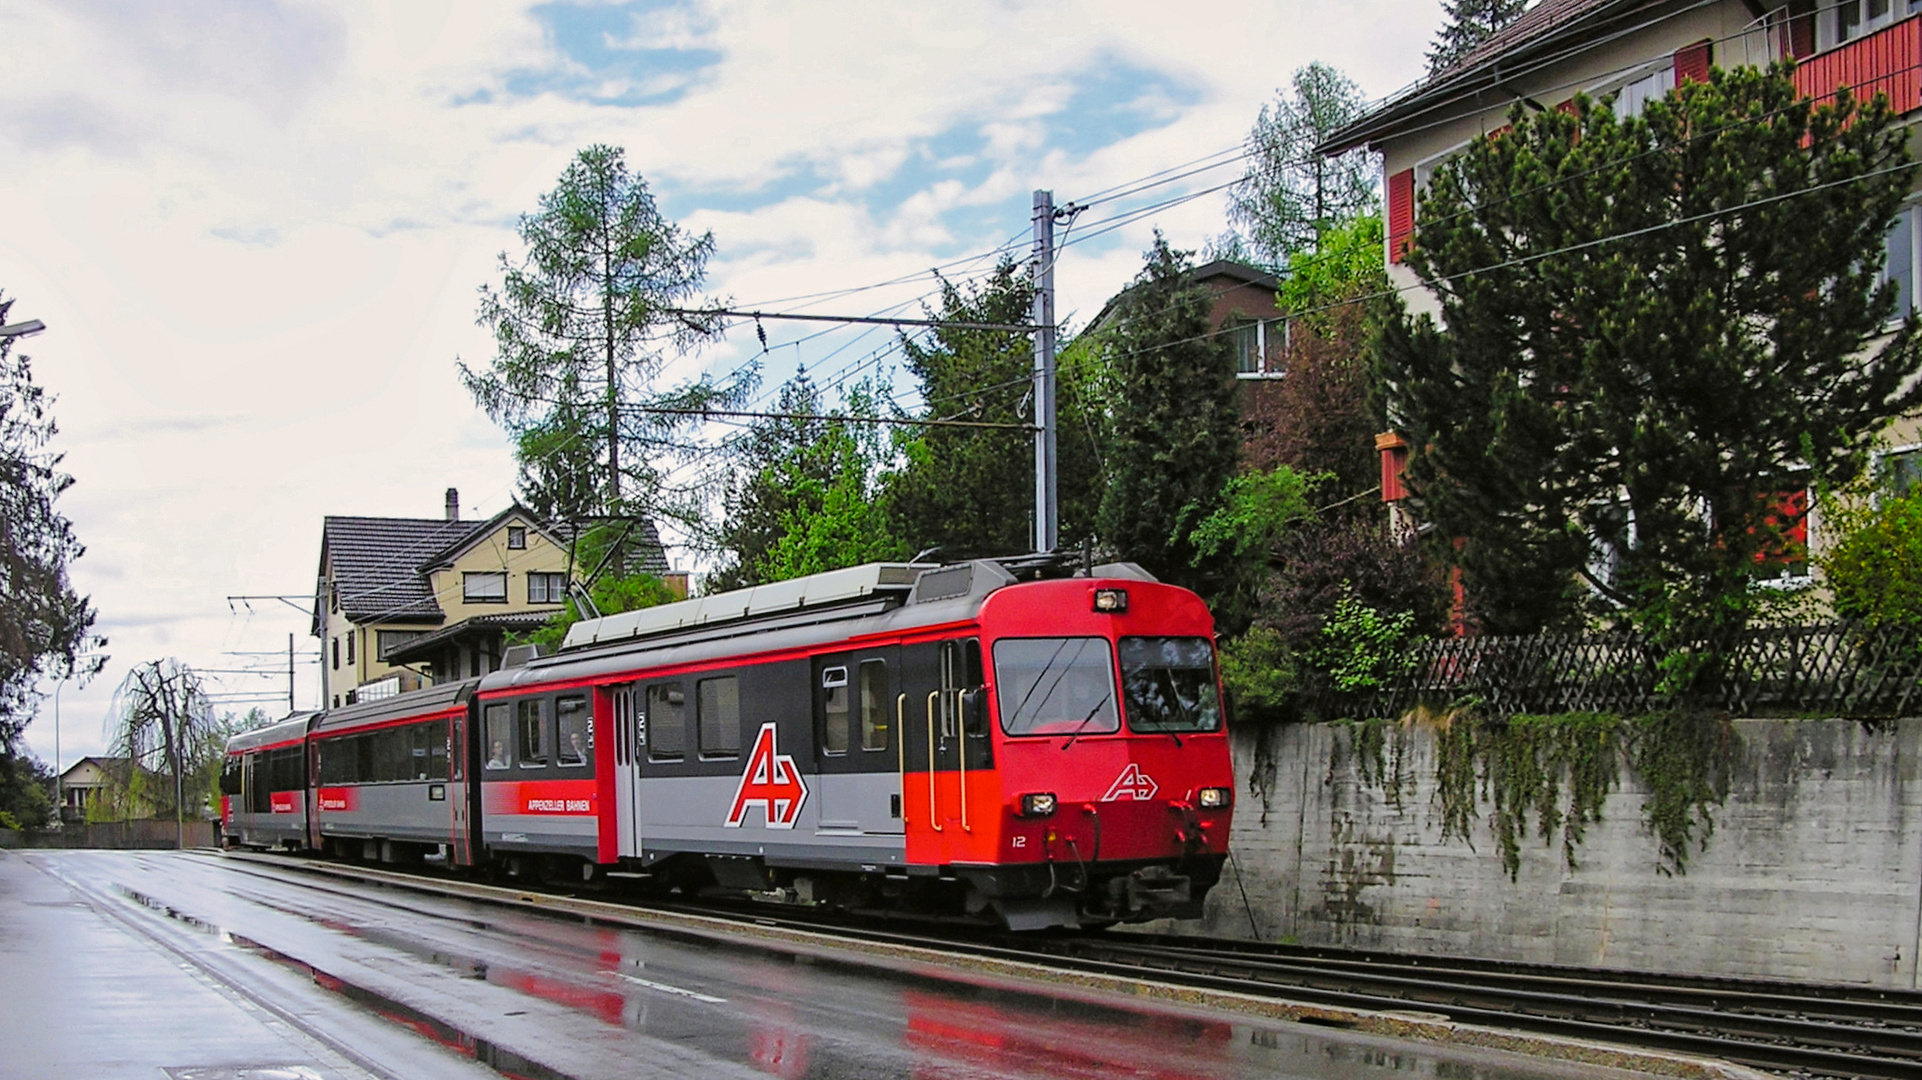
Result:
pixel 1214 798
pixel 1039 804
pixel 1111 601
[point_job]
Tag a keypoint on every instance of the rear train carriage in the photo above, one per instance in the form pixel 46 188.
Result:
pixel 263 785
pixel 389 777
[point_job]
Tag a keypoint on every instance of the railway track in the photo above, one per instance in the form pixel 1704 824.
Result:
pixel 1804 1029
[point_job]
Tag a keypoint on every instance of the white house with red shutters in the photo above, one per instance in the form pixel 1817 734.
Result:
pixel 1638 50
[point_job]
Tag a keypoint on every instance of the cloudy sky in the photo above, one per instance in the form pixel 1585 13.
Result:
pixel 255 230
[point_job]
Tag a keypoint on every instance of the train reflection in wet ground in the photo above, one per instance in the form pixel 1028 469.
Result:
pixel 545 998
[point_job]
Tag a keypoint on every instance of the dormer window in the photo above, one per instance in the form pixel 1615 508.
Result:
pixel 489 587
pixel 516 538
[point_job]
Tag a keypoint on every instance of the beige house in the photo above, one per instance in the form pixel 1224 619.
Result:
pixel 98 788
pixel 1637 51
pixel 403 602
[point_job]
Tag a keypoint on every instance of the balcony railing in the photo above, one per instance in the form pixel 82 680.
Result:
pixel 1885 62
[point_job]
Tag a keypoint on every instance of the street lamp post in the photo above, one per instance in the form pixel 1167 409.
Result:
pixel 22 329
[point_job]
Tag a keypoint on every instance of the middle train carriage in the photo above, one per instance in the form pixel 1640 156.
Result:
pixel 1051 751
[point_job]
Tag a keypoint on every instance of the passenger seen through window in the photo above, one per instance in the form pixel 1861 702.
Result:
pixel 571 716
pixel 500 736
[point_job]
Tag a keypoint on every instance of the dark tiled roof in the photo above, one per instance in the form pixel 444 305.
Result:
pixel 1543 17
pixel 1240 272
pixel 377 564
pixel 1538 36
pixel 480 626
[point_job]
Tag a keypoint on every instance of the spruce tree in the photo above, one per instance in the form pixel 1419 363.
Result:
pixel 1469 23
pixel 1174 431
pixel 1654 326
pixel 970 491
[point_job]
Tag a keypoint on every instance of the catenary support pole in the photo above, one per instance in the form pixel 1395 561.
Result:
pixel 1046 503
pixel 290 673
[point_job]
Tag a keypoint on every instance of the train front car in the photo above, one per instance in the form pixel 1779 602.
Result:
pixel 1095 785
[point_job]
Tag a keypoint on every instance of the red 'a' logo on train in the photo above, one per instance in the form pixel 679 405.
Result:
pixel 770 782
pixel 1131 784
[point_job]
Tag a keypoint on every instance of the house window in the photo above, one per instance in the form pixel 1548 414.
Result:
pixel 336 654
pixel 1785 558
pixel 1899 471
pixel 1899 251
pixel 1852 19
pixel 1244 340
pixel 546 588
pixel 484 588
pixel 350 647
pixel 1634 96
pixel 516 538
pixel 386 641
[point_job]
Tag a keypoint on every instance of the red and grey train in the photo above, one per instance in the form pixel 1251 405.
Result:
pixel 985 737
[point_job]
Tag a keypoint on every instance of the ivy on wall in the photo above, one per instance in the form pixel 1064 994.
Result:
pixel 1551 775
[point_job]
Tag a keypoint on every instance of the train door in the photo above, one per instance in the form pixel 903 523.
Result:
pixel 859 763
pixel 945 709
pixel 630 746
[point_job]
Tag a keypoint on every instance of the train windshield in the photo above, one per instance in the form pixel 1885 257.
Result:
pixel 1170 684
pixel 1055 686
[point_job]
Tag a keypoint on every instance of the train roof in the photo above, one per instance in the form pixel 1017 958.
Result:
pixel 805 612
pixel 428 699
pixel 293 727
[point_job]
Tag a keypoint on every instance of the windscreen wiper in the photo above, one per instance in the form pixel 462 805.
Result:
pixel 1078 728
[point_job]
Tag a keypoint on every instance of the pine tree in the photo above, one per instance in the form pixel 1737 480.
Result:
pixel 1654 326
pixel 1174 431
pixel 1293 194
pixel 1470 22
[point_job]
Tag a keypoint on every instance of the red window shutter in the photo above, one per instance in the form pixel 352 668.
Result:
pixel 1401 214
pixel 1394 460
pixel 1691 63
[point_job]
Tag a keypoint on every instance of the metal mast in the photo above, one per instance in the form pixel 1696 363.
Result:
pixel 1047 531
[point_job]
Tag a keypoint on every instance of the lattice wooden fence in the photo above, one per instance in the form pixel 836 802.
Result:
pixel 1836 669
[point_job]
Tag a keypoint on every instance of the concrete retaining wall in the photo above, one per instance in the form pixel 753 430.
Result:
pixel 1814 871
pixel 111 834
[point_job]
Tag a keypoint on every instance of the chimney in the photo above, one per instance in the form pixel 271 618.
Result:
pixel 453 504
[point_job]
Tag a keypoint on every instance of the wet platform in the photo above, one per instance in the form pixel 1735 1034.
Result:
pixel 143 964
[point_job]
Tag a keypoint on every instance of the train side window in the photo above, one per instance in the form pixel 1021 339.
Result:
pixel 717 707
pixel 834 710
pixel 419 741
pixel 230 775
pixel 500 736
pixel 666 721
pixel 960 670
pixel 288 774
pixel 530 724
pixel 437 756
pixel 391 756
pixel 874 704
pixel 259 797
pixel 576 742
